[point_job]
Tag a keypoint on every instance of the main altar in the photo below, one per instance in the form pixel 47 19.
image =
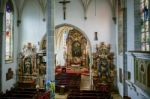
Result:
pixel 76 54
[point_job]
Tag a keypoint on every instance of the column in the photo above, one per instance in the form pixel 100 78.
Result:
pixel 1 39
pixel 50 72
pixel 137 24
pixel 125 73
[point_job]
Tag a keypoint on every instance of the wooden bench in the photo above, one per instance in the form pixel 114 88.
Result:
pixel 70 81
pixel 88 94
pixel 24 93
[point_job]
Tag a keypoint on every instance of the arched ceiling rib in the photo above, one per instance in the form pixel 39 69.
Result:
pixel 19 5
pixel 112 4
pixel 85 4
pixel 42 4
pixel 2 2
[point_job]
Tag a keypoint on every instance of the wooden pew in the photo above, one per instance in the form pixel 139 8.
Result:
pixel 24 93
pixel 89 94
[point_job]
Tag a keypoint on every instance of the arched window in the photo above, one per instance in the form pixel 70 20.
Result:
pixel 9 31
pixel 145 35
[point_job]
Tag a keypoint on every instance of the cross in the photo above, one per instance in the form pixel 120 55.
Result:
pixel 64 2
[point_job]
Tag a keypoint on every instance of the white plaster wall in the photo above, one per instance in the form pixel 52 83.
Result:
pixel 120 65
pixel 32 27
pixel 6 85
pixel 101 22
pixel 119 60
pixel 130 36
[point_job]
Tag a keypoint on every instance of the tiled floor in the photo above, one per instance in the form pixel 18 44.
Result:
pixel 57 96
pixel 85 85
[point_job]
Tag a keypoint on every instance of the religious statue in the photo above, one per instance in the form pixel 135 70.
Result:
pixel 27 65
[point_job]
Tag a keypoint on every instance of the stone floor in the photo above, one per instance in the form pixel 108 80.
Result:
pixel 85 85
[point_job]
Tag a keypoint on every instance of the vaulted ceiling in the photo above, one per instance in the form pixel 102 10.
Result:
pixel 42 3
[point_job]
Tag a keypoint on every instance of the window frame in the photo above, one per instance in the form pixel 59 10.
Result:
pixel 9 60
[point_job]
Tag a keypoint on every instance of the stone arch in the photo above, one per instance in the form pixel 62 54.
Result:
pixel 83 33
pixel 75 27
pixel 65 24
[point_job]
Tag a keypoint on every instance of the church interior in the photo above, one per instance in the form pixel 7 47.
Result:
pixel 70 49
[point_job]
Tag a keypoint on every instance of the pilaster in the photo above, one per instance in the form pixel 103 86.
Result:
pixel 1 40
pixel 50 41
pixel 125 76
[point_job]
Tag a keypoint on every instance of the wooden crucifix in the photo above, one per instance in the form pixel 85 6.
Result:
pixel 64 2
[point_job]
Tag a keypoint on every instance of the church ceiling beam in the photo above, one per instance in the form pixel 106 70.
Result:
pixel 85 4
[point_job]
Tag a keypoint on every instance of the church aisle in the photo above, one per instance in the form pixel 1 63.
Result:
pixel 85 83
pixel 58 96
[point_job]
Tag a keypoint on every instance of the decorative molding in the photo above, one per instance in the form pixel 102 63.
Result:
pixel 141 54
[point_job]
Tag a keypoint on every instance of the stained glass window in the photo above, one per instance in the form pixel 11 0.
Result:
pixel 9 32
pixel 145 35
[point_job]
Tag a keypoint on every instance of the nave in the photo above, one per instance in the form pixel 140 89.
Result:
pixel 86 92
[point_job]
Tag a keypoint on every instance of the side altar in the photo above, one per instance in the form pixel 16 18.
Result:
pixel 31 67
pixel 103 68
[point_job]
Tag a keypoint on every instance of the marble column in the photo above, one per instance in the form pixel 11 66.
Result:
pixel 1 39
pixel 50 72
